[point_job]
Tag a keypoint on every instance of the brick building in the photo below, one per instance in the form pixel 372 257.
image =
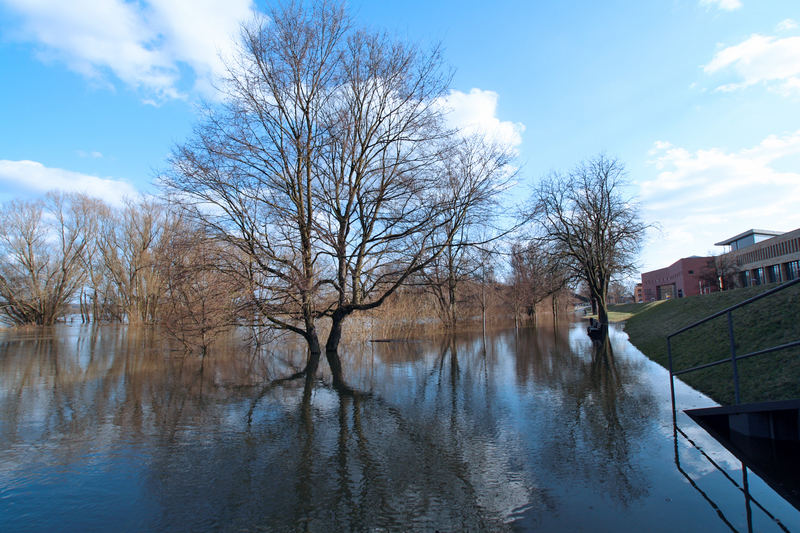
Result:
pixel 685 277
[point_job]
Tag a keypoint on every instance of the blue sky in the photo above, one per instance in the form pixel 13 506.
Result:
pixel 700 99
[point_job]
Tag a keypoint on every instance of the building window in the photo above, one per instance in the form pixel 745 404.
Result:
pixel 758 276
pixel 773 274
pixel 792 270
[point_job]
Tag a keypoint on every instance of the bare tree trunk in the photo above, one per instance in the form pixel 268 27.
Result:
pixel 332 347
pixel 452 312
pixel 314 353
pixel 554 305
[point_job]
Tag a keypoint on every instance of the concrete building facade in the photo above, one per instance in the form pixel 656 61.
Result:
pixel 756 257
pixel 686 277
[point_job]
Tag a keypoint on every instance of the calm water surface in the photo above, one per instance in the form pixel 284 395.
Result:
pixel 537 430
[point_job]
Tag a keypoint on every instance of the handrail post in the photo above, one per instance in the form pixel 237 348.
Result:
pixel 671 381
pixel 733 359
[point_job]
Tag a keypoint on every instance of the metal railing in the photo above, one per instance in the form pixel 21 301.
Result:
pixel 734 357
pixel 744 488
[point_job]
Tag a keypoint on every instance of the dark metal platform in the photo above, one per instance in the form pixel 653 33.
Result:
pixel 764 436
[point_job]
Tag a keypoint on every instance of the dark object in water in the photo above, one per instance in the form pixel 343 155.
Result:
pixel 595 329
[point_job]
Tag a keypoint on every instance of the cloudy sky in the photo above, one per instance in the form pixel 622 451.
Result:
pixel 700 99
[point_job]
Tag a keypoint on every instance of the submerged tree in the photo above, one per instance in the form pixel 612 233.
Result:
pixel 535 276
pixel 321 168
pixel 41 245
pixel 201 292
pixel 378 173
pixel 590 226
pixel 249 174
pixel 476 172
pixel 94 292
pixel 131 242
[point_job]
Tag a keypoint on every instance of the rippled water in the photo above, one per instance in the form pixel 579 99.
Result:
pixel 537 430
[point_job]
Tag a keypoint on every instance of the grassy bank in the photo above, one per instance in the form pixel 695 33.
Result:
pixel 769 322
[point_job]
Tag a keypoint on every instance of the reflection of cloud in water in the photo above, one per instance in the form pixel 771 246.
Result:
pixel 686 397
pixel 691 459
pixel 451 405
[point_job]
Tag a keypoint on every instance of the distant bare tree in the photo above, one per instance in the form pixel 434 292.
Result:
pixel 130 243
pixel 535 276
pixel 41 245
pixel 486 280
pixel 619 292
pixel 724 271
pixel 443 278
pixel 590 225
pixel 95 281
pixel 477 170
pixel 201 294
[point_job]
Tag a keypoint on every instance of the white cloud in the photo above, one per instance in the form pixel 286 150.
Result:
pixel 659 145
pixel 786 25
pixel 701 197
pixel 760 59
pixel 37 178
pixel 725 5
pixel 143 44
pixel 475 112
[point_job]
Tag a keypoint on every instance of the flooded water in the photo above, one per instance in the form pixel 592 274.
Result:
pixel 535 430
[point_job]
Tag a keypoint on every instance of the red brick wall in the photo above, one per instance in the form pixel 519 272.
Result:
pixel 684 274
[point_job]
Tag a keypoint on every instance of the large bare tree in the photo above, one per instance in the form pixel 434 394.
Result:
pixel 590 225
pixel 249 174
pixel 378 175
pixel 321 168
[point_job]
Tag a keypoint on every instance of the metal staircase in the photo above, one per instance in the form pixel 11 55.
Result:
pixel 764 436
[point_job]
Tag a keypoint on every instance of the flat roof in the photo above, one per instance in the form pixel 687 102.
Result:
pixel 747 233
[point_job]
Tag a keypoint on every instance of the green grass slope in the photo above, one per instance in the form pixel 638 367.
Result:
pixel 771 321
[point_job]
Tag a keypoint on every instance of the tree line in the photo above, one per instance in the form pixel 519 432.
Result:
pixel 324 183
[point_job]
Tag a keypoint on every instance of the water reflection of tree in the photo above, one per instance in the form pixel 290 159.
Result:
pixel 316 459
pixel 73 385
pixel 543 356
pixel 357 464
pixel 595 411
pixel 109 389
pixel 431 446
